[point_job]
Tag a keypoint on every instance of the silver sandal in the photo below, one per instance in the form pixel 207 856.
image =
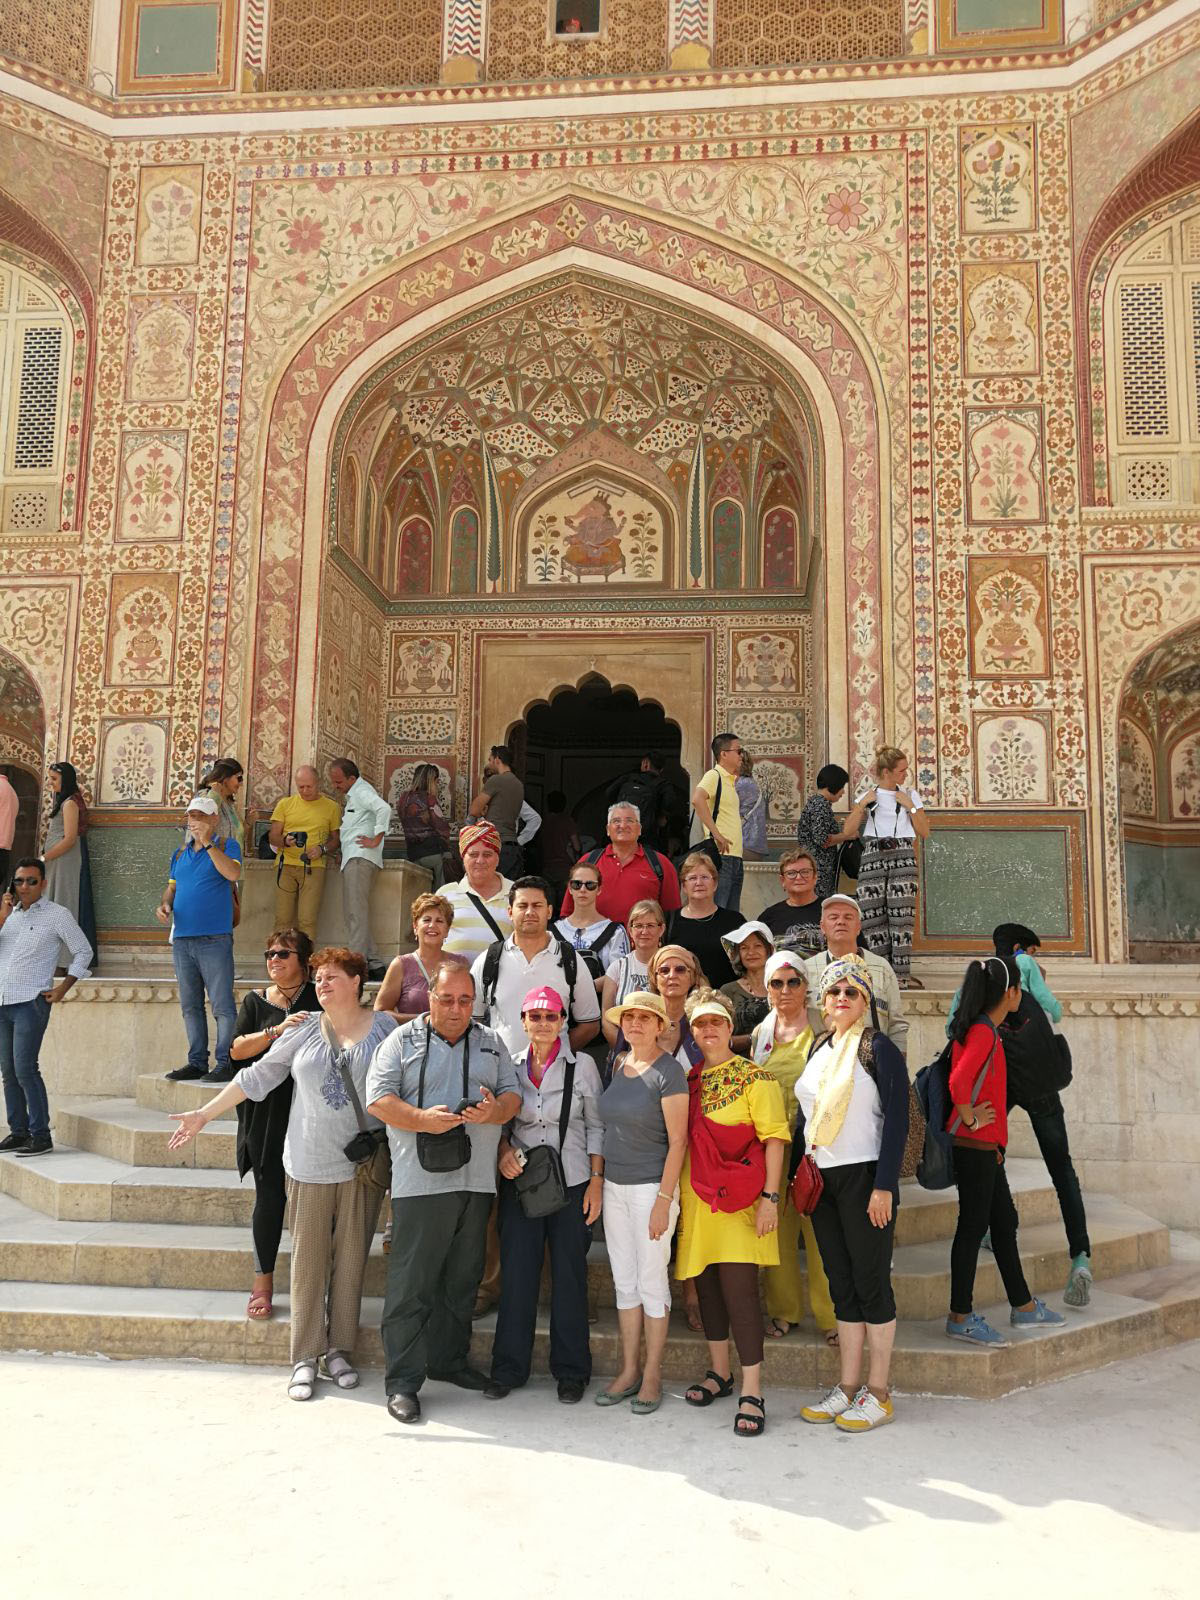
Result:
pixel 340 1370
pixel 303 1380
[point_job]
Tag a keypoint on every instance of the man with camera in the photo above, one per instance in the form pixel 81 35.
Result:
pixel 199 901
pixel 445 1086
pixel 32 930
pixel 302 825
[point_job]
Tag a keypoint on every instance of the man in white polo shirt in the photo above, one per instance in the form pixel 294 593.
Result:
pixel 480 898
pixel 530 957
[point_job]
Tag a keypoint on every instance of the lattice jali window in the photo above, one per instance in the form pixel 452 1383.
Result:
pixel 35 346
pixel 1152 358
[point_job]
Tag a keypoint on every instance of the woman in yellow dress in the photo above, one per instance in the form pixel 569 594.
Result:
pixel 781 1043
pixel 738 1131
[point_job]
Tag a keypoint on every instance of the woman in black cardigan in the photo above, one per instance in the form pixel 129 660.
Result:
pixel 853 1096
pixel 262 1125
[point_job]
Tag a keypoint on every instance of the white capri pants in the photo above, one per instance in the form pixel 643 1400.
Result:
pixel 640 1265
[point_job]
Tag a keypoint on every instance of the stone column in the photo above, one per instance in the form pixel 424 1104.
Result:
pixel 690 34
pixel 463 32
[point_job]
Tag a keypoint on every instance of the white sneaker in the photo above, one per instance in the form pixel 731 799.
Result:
pixel 865 1413
pixel 830 1408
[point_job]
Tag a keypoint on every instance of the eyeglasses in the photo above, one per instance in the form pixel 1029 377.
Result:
pixel 582 883
pixel 277 955
pixel 845 991
pixel 786 983
pixel 799 872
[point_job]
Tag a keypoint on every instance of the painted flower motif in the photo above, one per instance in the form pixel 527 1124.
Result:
pixel 845 209
pixel 305 236
pixel 1141 608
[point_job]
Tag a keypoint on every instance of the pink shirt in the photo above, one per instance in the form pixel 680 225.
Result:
pixel 9 806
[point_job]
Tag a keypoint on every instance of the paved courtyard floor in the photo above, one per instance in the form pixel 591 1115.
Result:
pixel 151 1479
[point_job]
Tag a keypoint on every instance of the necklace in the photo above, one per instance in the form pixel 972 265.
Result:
pixel 290 998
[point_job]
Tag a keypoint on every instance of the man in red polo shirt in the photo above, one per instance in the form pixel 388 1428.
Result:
pixel 627 873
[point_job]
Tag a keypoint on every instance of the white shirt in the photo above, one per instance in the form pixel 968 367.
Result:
pixel 517 976
pixel 861 1134
pixel 366 812
pixel 889 819
pixel 29 946
pixel 528 823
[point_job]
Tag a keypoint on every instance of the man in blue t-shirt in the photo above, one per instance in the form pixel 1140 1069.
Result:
pixel 199 897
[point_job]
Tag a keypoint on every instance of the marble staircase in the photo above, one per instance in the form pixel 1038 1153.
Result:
pixel 115 1245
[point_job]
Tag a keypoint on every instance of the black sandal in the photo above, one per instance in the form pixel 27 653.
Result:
pixel 705 1397
pixel 750 1427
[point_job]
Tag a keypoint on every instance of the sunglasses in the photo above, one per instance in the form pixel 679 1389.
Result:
pixel 542 1016
pixel 26 883
pixel 786 983
pixel 845 991
pixel 674 972
pixel 582 883
pixel 277 955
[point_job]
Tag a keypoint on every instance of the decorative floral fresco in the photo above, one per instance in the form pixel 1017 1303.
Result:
pixel 597 530
pixel 906 263
pixel 1184 773
pixel 1004 464
pixel 1139 796
pixel 132 763
pixel 1010 630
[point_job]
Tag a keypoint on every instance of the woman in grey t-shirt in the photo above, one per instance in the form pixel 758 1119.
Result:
pixel 332 1204
pixel 644 1111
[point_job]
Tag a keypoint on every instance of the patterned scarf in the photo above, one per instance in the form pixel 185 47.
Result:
pixel 835 1088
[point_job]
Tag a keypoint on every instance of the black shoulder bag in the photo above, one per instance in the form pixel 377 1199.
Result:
pixel 444 1152
pixel 708 845
pixel 542 1185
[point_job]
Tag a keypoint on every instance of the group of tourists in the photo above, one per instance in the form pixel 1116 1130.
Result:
pixel 524 1077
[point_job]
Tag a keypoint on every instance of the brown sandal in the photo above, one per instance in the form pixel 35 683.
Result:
pixel 260 1305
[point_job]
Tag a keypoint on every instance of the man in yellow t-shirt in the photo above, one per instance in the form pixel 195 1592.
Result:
pixel 717 791
pixel 300 867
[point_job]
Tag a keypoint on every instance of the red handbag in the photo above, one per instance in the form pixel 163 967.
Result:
pixel 806 1187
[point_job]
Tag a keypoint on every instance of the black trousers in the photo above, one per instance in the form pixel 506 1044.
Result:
pixel 434 1269
pixel 270 1208
pixel 984 1202
pixel 1049 1124
pixel 856 1255
pixel 523 1244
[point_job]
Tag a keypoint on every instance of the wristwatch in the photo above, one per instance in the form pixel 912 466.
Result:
pixel 772 1195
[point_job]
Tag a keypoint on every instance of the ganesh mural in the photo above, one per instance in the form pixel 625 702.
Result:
pixel 598 530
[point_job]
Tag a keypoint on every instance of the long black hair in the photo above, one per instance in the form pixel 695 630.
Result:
pixel 70 785
pixel 984 985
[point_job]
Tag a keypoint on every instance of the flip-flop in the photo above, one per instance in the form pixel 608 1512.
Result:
pixel 259 1305
pixel 780 1327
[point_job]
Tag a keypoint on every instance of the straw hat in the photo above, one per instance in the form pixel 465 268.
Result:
pixel 638 1000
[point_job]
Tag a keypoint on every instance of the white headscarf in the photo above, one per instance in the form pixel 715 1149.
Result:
pixel 763 1041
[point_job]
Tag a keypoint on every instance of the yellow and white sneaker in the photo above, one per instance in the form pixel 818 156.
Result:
pixel 830 1408
pixel 864 1413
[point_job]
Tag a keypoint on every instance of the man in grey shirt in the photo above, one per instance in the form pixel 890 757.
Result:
pixel 439 1219
pixel 500 801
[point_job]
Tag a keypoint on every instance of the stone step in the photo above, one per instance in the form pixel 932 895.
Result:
pixel 138 1137
pixel 1128 1316
pixel 36 1247
pixel 79 1185
pixel 156 1093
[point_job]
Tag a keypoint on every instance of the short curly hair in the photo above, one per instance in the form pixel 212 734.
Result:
pixel 350 961
pixel 431 902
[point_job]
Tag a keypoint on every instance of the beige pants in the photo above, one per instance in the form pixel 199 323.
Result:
pixel 298 898
pixel 332 1225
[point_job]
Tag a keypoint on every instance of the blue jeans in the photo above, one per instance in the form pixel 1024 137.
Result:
pixel 25 1103
pixel 729 883
pixel 205 962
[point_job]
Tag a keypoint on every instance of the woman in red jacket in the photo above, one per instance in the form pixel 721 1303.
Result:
pixel 979 1123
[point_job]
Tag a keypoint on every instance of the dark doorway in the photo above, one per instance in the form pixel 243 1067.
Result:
pixel 585 739
pixel 28 795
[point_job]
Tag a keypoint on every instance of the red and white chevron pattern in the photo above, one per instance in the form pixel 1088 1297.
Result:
pixel 464 29
pixel 254 40
pixel 691 22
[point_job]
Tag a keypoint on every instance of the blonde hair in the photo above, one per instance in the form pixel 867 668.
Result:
pixel 698 858
pixel 699 997
pixel 432 902
pixel 670 950
pixel 886 757
pixel 647 908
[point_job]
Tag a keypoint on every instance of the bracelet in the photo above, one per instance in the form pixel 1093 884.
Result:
pixel 667 1197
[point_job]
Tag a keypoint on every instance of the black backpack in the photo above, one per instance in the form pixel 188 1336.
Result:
pixel 1038 1063
pixel 591 957
pixel 567 954
pixel 641 790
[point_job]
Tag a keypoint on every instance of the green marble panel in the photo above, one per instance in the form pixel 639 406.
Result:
pixel 1162 890
pixel 997 16
pixel 974 878
pixel 178 41
pixel 129 871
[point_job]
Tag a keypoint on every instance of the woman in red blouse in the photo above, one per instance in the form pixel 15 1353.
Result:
pixel 979 1124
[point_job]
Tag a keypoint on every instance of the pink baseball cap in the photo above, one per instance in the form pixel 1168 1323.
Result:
pixel 543 999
